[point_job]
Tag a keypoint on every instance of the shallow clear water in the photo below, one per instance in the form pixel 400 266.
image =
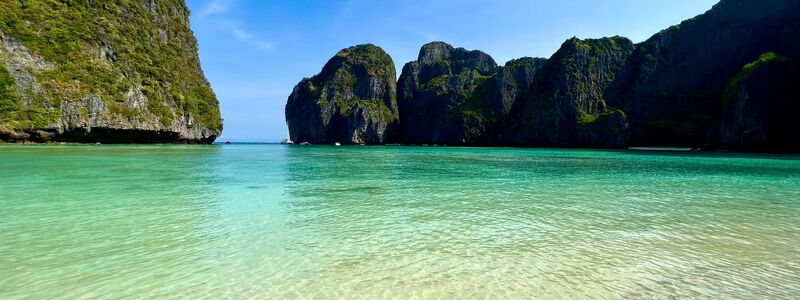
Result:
pixel 270 221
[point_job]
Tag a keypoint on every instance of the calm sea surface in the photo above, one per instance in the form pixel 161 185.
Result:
pixel 271 221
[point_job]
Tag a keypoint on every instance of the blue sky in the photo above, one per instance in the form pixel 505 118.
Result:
pixel 255 51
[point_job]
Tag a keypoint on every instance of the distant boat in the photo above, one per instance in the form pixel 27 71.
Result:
pixel 288 140
pixel 337 144
pixel 228 143
pixel 305 144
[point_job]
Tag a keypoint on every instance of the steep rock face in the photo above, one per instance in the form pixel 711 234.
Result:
pixel 443 94
pixel 514 79
pixel 761 107
pixel 565 105
pixel 724 79
pixel 352 101
pixel 673 85
pixel 121 72
pixel 509 87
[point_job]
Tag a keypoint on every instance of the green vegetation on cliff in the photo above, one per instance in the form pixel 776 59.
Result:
pixel 8 96
pixel 714 80
pixel 747 71
pixel 566 104
pixel 382 112
pixel 447 95
pixel 352 100
pixel 677 84
pixel 369 58
pixel 108 49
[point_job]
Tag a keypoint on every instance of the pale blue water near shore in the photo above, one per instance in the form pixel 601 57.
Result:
pixel 271 221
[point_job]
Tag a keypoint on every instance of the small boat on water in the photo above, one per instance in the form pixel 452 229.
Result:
pixel 228 143
pixel 305 144
pixel 337 144
pixel 288 139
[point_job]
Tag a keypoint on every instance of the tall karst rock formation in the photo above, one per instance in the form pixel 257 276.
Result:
pixel 122 71
pixel 352 101
pixel 724 79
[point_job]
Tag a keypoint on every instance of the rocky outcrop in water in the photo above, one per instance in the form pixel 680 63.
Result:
pixel 455 96
pixel 352 101
pixel 565 105
pixel 121 72
pixel 723 79
pixel 445 95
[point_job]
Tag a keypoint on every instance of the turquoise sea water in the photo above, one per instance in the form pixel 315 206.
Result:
pixel 271 221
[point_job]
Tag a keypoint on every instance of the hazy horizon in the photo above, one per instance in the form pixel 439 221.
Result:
pixel 254 52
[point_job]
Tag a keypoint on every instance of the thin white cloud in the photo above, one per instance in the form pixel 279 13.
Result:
pixel 241 34
pixel 245 36
pixel 214 7
pixel 266 46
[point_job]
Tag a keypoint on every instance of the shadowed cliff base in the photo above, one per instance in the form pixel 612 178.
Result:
pixel 101 135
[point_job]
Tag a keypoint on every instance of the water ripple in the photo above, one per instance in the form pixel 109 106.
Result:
pixel 262 221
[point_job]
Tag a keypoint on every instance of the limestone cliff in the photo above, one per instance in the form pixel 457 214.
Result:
pixel 444 94
pixel 673 86
pixel 760 106
pixel 352 101
pixel 565 105
pixel 512 86
pixel 113 72
pixel 724 79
